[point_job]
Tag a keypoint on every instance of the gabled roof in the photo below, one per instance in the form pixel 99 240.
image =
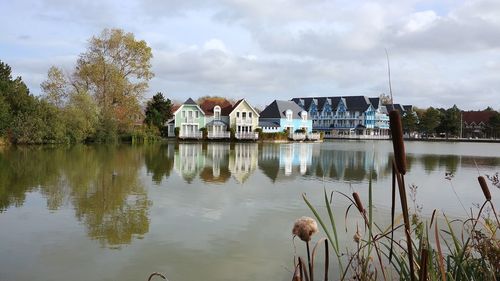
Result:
pixel 190 101
pixel 357 103
pixel 238 103
pixel 208 106
pixel 477 116
pixel 353 103
pixel 375 102
pixel 278 108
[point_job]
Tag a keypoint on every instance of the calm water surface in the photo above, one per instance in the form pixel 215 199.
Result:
pixel 201 211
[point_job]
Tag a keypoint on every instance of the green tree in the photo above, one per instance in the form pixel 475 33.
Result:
pixel 5 116
pixel 450 121
pixel 410 121
pixel 115 70
pixel 430 120
pixel 55 87
pixel 158 111
pixel 82 116
pixel 494 125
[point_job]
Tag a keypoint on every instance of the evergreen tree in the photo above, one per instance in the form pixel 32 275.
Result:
pixel 158 111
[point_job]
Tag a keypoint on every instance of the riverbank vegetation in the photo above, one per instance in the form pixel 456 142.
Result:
pixel 449 123
pixel 414 249
pixel 99 101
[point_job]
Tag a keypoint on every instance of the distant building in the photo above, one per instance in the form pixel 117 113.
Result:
pixel 283 115
pixel 217 118
pixel 476 124
pixel 189 118
pixel 348 115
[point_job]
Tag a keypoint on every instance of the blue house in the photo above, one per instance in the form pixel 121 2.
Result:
pixel 285 115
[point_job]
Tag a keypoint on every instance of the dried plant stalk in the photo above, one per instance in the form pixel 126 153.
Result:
pixel 397 141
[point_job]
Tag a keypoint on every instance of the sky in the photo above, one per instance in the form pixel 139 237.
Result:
pixel 441 52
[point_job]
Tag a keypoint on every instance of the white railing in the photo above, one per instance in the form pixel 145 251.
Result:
pixel 247 135
pixel 244 121
pixel 218 135
pixel 298 136
pixel 190 135
pixel 313 136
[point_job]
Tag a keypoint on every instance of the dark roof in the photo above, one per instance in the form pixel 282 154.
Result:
pixel 408 107
pixel 477 116
pixel 190 101
pixel 357 103
pixel 268 124
pixel 208 106
pixel 278 108
pixel 396 106
pixel 375 102
pixel 353 103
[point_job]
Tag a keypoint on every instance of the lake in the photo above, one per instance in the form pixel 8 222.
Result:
pixel 204 211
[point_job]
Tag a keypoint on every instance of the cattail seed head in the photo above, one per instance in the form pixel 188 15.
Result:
pixel 397 140
pixel 305 227
pixel 358 202
pixel 484 187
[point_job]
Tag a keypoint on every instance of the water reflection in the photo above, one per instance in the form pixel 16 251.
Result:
pixel 106 188
pixel 101 183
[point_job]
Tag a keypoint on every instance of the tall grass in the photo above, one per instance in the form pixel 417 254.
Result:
pixel 466 249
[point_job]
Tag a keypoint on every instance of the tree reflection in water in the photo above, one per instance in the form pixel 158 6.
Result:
pixel 101 183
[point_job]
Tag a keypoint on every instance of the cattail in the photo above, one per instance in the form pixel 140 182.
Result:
pixel 358 202
pixel 423 266
pixel 484 187
pixel 305 227
pixel 397 140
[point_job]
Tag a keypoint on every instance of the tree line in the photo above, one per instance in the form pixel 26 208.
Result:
pixel 99 101
pixel 440 122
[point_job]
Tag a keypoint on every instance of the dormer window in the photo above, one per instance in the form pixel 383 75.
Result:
pixel 289 115
pixel 304 115
pixel 217 112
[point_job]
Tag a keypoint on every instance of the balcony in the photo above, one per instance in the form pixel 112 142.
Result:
pixel 189 120
pixel 190 135
pixel 247 136
pixel 218 135
pixel 243 121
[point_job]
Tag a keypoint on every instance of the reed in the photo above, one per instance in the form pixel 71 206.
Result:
pixel 473 253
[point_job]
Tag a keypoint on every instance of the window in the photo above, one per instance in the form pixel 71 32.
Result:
pixel 183 114
pixel 243 115
pixel 190 114
pixel 289 115
pixel 238 114
pixel 217 112
pixel 250 114
pixel 196 114
pixel 304 115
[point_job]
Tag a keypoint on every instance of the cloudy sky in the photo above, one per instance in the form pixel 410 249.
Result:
pixel 442 52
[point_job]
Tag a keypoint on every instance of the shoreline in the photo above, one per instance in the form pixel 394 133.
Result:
pixel 423 139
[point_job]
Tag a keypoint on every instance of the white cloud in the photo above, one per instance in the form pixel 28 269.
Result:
pixel 442 52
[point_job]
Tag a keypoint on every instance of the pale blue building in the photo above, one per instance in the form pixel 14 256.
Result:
pixel 283 115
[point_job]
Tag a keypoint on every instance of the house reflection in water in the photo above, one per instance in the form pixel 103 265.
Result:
pixel 189 160
pixel 216 168
pixel 217 162
pixel 243 160
pixel 295 155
